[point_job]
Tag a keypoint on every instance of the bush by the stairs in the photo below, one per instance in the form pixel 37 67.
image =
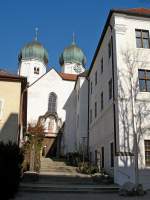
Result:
pixel 86 168
pixel 102 178
pixel 11 158
pixel 73 158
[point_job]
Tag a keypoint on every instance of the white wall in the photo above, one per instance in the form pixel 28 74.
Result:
pixel 76 124
pixel 126 41
pixel 70 140
pixel 39 92
pixel 101 129
pixel 82 113
pixel 26 68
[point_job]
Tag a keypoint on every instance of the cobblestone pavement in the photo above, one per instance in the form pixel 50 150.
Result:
pixel 76 196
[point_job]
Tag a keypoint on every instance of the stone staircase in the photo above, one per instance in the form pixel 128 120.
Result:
pixel 48 166
pixel 56 176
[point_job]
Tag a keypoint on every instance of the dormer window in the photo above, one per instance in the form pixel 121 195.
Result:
pixel 36 70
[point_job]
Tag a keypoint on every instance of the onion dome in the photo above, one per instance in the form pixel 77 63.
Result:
pixel 72 54
pixel 34 50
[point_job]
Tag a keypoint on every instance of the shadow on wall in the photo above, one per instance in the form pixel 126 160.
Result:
pixel 10 128
pixel 126 174
pixel 134 116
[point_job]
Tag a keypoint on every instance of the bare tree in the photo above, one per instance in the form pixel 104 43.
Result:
pixel 35 136
pixel 132 111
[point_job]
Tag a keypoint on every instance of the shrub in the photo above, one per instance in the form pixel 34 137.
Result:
pixel 11 158
pixel 33 146
pixel 86 168
pixel 73 158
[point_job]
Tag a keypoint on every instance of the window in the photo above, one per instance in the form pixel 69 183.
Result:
pixel 142 38
pixel 36 70
pixel 95 109
pixel 102 101
pixel 147 152
pixel 77 121
pixel 101 65
pixel 52 102
pixel 96 78
pixel 110 88
pixel 111 154
pixel 90 115
pixel 78 94
pixel 96 157
pixel 109 49
pixel 144 80
pixel 91 87
pixel 102 157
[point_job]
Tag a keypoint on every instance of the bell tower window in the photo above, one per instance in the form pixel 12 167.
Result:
pixel 36 70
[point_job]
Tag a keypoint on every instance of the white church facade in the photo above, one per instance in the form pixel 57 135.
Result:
pixel 103 111
pixel 48 90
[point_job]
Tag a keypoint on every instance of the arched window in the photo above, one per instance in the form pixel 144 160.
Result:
pixel 52 102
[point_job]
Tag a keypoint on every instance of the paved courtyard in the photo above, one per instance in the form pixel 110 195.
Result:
pixel 76 196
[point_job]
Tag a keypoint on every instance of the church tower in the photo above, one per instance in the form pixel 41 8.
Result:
pixel 33 60
pixel 72 59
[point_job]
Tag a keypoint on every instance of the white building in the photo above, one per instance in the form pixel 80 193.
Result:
pixel 49 90
pixel 119 100
pixel 76 124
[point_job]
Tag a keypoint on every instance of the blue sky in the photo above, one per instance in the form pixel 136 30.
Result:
pixel 56 20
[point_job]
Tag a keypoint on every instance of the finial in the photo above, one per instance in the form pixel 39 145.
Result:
pixel 36 33
pixel 73 38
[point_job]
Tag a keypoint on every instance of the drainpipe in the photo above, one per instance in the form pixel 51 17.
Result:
pixel 21 110
pixel 113 83
pixel 88 146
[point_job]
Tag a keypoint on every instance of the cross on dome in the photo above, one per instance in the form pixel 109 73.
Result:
pixel 36 33
pixel 73 38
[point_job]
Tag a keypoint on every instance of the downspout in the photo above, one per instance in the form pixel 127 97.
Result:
pixel 113 83
pixel 22 112
pixel 88 141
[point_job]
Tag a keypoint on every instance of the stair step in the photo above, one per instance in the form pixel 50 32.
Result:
pixel 64 179
pixel 68 188
pixel 57 178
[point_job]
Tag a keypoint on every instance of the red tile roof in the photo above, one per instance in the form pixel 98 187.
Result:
pixel 68 77
pixel 7 75
pixel 139 10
